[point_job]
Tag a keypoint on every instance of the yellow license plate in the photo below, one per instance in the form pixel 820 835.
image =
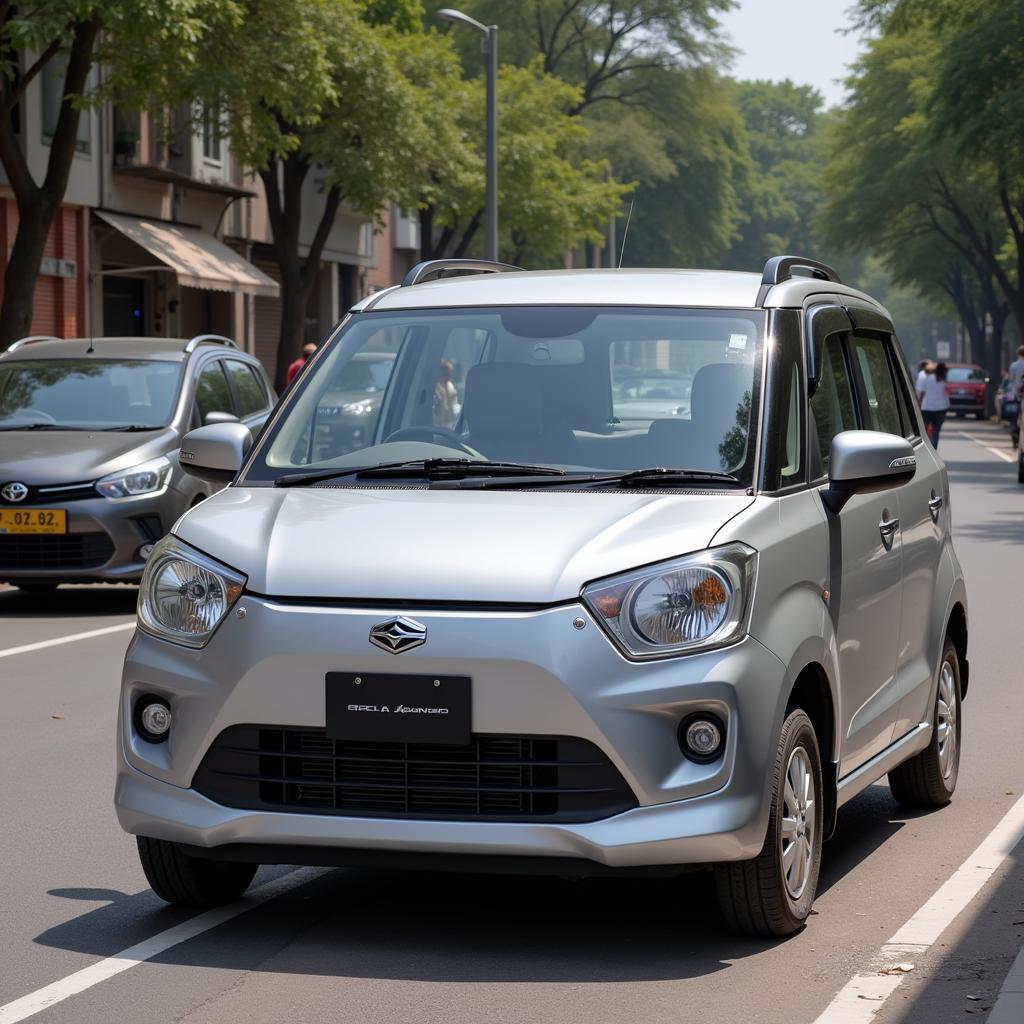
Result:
pixel 33 520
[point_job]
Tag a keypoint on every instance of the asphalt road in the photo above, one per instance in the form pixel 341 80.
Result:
pixel 367 946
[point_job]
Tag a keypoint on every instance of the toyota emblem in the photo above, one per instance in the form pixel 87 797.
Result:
pixel 14 492
pixel 398 635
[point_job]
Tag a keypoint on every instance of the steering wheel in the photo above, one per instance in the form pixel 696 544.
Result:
pixel 427 433
pixel 38 415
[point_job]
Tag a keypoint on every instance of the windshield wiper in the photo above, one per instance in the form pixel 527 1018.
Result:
pixel 128 428
pixel 652 477
pixel 43 426
pixel 661 476
pixel 428 469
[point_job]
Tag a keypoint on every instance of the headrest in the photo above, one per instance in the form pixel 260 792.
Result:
pixel 503 400
pixel 718 389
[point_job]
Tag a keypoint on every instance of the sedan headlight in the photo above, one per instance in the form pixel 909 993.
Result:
pixel 148 478
pixel 689 604
pixel 184 595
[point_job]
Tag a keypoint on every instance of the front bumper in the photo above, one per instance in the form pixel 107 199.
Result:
pixel 101 544
pixel 533 673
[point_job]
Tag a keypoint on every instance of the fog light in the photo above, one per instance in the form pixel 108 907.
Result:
pixel 701 737
pixel 153 718
pixel 145 551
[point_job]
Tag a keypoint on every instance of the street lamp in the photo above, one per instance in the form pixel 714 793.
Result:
pixel 490 50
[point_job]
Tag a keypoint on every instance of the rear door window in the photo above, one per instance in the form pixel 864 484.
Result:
pixel 881 411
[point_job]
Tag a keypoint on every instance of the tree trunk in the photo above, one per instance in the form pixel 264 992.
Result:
pixel 22 269
pixel 38 204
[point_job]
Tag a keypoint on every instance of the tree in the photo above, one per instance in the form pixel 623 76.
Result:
pixel 141 45
pixel 784 132
pixel 552 196
pixel 312 87
pixel 896 187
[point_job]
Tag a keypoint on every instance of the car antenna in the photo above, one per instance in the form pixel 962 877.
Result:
pixel 625 232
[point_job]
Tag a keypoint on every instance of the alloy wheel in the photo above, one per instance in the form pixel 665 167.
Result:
pixel 799 812
pixel 946 716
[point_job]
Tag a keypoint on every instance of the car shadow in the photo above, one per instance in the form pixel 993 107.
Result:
pixel 427 926
pixel 69 601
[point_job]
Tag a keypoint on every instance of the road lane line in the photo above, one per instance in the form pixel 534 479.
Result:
pixel 58 991
pixel 69 639
pixel 863 995
pixel 981 444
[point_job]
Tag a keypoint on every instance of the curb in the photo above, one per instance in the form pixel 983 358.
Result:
pixel 1009 1006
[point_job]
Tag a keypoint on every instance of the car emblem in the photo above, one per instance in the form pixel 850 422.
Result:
pixel 14 492
pixel 398 635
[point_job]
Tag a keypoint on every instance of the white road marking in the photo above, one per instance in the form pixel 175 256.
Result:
pixel 995 451
pixel 69 639
pixel 862 996
pixel 49 995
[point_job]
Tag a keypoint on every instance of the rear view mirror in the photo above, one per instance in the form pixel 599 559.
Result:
pixel 215 453
pixel 865 461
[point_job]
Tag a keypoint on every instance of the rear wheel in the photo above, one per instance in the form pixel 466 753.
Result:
pixel 191 881
pixel 929 778
pixel 772 894
pixel 980 415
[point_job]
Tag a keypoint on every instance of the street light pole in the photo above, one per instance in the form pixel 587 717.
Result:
pixel 490 51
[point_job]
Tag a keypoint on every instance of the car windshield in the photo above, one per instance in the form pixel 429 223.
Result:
pixel 581 389
pixel 959 374
pixel 82 394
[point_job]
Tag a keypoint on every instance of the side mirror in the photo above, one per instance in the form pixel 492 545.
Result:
pixel 865 461
pixel 215 453
pixel 216 416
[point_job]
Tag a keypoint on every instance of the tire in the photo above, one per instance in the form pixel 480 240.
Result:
pixel 928 779
pixel 190 881
pixel 1020 469
pixel 36 588
pixel 760 897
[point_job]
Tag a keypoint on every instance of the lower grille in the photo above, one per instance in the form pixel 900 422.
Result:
pixel 503 778
pixel 54 551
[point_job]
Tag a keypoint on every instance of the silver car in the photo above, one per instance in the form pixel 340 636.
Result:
pixel 89 436
pixel 540 635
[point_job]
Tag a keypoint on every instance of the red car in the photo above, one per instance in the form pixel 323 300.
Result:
pixel 965 385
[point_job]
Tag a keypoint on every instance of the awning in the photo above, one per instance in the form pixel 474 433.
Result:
pixel 198 259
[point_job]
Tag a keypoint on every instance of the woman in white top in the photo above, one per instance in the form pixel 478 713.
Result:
pixel 931 393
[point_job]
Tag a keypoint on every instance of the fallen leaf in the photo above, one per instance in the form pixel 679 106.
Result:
pixel 975 999
pixel 56 716
pixel 897 969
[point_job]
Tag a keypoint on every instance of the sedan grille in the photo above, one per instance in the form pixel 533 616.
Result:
pixel 59 551
pixel 502 778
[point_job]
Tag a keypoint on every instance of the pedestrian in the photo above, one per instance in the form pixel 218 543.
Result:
pixel 1016 389
pixel 293 369
pixel 934 401
pixel 922 372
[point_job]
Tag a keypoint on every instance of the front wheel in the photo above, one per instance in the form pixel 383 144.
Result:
pixel 929 778
pixel 191 881
pixel 772 894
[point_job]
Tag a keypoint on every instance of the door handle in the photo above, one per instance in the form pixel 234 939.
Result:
pixel 934 504
pixel 887 528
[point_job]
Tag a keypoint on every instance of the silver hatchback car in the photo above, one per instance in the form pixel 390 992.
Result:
pixel 522 623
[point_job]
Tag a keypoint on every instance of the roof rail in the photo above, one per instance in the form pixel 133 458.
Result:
pixel 208 339
pixel 434 268
pixel 22 342
pixel 779 269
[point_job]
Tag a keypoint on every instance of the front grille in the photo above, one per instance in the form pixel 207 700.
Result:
pixel 502 778
pixel 53 494
pixel 54 551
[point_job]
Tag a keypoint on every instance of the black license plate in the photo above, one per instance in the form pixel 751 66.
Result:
pixel 399 708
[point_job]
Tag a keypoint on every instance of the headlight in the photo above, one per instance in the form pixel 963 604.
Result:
pixel 145 479
pixel 184 595
pixel 688 604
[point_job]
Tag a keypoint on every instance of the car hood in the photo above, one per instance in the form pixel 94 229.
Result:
pixel 42 457
pixel 390 543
